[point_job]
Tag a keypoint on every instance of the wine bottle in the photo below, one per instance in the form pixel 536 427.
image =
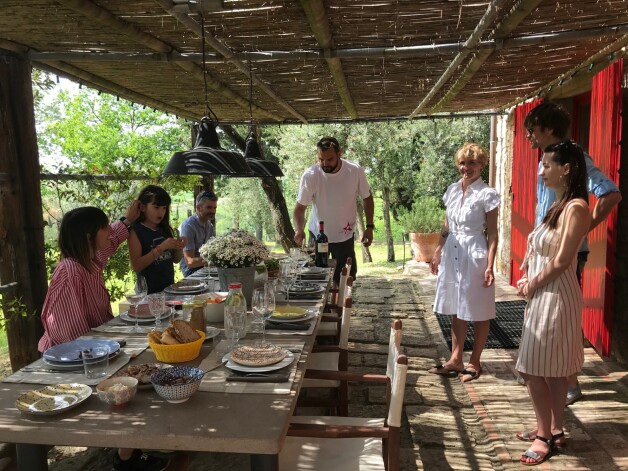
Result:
pixel 321 247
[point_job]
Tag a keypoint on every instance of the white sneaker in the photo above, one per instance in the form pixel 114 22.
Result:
pixel 573 395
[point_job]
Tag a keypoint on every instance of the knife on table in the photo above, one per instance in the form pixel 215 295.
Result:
pixel 287 326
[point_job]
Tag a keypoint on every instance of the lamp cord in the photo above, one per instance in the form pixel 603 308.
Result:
pixel 210 113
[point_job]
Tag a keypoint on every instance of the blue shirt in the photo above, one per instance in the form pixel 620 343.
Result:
pixel 598 184
pixel 197 234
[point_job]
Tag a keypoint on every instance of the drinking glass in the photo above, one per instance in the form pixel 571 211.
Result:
pixel 95 362
pixel 263 305
pixel 287 275
pixel 157 306
pixel 135 291
pixel 235 326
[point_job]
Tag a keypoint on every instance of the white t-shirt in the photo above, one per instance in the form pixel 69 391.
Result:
pixel 334 198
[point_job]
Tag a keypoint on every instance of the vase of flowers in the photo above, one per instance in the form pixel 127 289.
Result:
pixel 235 255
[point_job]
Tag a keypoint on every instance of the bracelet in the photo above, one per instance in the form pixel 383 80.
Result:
pixel 444 234
pixel 125 221
pixel 370 226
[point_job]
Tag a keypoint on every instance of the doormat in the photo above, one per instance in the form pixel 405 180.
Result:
pixel 504 331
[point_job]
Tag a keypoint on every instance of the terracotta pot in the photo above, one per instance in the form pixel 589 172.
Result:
pixel 423 245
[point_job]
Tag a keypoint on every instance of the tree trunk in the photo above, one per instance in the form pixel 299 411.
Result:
pixel 22 257
pixel 366 253
pixel 386 210
pixel 278 207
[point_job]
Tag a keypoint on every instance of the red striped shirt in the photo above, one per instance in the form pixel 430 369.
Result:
pixel 77 299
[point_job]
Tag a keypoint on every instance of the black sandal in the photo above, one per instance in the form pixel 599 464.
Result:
pixel 556 436
pixel 443 371
pixel 536 457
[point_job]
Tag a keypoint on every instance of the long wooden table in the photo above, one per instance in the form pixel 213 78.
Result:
pixel 255 424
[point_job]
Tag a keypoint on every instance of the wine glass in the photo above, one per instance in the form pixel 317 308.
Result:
pixel 135 291
pixel 263 305
pixel 287 275
pixel 157 306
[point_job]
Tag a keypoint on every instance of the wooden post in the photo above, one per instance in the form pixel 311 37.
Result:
pixel 22 257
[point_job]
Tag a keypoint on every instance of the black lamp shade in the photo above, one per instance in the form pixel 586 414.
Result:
pixel 207 157
pixel 260 166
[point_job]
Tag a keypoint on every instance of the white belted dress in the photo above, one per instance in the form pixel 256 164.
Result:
pixel 459 286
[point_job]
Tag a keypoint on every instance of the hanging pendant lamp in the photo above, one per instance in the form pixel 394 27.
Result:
pixel 260 166
pixel 207 157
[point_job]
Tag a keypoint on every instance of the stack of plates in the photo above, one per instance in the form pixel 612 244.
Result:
pixel 67 356
pixel 188 286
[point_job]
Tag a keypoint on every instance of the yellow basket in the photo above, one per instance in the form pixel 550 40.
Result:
pixel 178 353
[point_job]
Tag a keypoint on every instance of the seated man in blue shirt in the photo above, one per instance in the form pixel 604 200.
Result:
pixel 198 229
pixel 548 124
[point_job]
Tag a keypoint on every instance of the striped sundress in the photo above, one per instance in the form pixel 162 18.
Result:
pixel 551 341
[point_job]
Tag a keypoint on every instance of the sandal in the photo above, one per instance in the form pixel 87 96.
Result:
pixel 537 458
pixel 558 436
pixel 443 371
pixel 526 436
pixel 469 374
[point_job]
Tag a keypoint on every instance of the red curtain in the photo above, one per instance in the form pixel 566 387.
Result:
pixel 523 190
pixel 604 147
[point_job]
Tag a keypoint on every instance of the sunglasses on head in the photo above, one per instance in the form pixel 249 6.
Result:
pixel 328 142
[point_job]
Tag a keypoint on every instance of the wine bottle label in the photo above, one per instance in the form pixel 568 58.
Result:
pixel 323 247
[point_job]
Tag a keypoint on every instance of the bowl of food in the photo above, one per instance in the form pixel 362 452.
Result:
pixel 215 307
pixel 117 391
pixel 177 343
pixel 177 384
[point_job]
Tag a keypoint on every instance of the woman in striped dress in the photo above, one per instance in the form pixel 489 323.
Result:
pixel 551 342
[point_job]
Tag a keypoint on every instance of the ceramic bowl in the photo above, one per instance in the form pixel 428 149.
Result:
pixel 117 391
pixel 177 384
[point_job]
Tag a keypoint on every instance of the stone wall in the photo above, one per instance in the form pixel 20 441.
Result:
pixel 503 177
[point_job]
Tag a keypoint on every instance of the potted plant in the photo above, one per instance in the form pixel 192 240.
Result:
pixel 423 222
pixel 235 255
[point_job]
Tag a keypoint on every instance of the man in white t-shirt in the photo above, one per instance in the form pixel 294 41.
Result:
pixel 332 186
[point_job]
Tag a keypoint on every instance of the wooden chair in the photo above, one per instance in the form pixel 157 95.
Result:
pixel 329 358
pixel 351 443
pixel 330 323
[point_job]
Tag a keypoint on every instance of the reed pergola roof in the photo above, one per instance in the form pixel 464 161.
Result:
pixel 320 60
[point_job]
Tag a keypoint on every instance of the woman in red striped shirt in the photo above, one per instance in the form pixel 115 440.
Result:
pixel 77 299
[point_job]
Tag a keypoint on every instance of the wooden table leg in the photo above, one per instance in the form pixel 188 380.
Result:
pixel 31 457
pixel 264 462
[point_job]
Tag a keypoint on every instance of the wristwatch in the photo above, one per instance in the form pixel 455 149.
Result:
pixel 125 221
pixel 370 226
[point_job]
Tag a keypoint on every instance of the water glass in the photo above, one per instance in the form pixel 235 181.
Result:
pixel 287 275
pixel 157 306
pixel 135 291
pixel 263 306
pixel 95 362
pixel 235 326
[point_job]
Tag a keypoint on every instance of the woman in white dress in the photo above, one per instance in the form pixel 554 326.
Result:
pixel 464 261
pixel 551 341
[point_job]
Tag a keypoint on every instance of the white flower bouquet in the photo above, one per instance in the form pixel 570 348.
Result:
pixel 235 249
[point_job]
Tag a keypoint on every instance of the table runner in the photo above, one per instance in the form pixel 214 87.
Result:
pixel 215 381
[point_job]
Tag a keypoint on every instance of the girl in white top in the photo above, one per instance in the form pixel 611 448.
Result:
pixel 464 261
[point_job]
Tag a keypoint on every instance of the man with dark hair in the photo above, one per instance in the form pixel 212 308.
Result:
pixel 332 186
pixel 546 125
pixel 198 229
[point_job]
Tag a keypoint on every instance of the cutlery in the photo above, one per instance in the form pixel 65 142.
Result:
pixel 38 370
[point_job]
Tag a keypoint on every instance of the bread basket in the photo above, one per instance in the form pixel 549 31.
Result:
pixel 178 353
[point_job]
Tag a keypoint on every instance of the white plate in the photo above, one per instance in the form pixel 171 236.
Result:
pixel 257 369
pixel 169 290
pixel 74 366
pixel 308 316
pixel 70 352
pixel 187 285
pixel 142 320
pixel 313 270
pixel 211 332
pixel 53 399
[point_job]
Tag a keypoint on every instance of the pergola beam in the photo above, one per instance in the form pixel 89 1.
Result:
pixel 229 55
pixel 317 18
pixel 516 15
pixel 469 46
pixel 96 13
pixel 423 50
